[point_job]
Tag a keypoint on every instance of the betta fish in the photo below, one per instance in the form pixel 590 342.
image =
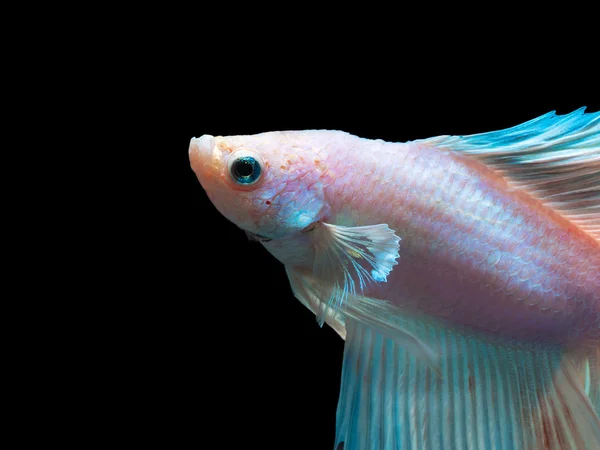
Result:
pixel 463 273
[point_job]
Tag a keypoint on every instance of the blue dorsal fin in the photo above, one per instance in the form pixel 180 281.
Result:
pixel 555 158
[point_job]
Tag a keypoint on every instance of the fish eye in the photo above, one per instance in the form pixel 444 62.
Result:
pixel 245 167
pixel 245 170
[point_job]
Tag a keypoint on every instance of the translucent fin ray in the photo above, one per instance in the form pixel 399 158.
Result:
pixel 304 288
pixel 556 158
pixel 347 259
pixel 487 396
pixel 587 361
pixel 377 314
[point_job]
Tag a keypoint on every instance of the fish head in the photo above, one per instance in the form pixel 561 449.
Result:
pixel 267 184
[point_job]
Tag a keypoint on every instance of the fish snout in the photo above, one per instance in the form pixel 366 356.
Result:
pixel 200 153
pixel 203 146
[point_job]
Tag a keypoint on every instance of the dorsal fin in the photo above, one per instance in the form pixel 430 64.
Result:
pixel 555 158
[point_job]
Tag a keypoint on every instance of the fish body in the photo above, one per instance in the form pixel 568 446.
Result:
pixel 474 250
pixel 449 257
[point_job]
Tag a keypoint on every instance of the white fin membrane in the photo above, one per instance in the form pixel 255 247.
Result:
pixel 304 288
pixel 347 259
pixel 378 314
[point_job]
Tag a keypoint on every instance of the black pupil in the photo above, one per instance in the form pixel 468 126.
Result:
pixel 243 168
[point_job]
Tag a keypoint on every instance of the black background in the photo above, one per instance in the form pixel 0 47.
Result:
pixel 155 321
pixel 228 353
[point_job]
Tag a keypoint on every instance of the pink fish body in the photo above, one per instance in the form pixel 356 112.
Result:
pixel 451 258
pixel 474 250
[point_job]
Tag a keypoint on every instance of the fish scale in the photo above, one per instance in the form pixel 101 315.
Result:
pixel 479 214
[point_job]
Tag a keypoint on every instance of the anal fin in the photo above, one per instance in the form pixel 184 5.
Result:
pixel 488 395
pixel 587 361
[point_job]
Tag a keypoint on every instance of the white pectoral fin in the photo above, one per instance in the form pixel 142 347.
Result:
pixel 486 395
pixel 349 258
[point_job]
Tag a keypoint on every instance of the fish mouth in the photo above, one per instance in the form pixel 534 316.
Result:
pixel 200 153
pixel 202 146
